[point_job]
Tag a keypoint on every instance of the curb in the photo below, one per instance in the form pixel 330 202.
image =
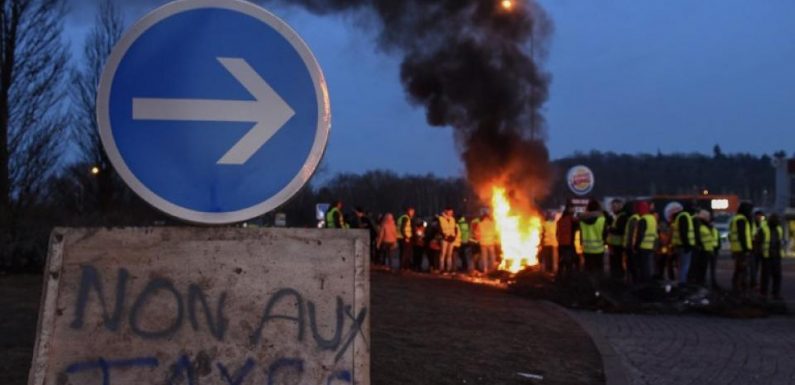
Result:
pixel 613 367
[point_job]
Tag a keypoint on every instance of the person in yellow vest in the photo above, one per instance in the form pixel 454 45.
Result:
pixel 683 240
pixel 474 245
pixel 593 230
pixel 549 243
pixel 791 234
pixel 464 248
pixel 740 240
pixel 488 243
pixel 628 241
pixel 405 233
pixel 707 247
pixel 456 247
pixel 335 218
pixel 449 232
pixel 644 242
pixel 771 237
pixel 615 239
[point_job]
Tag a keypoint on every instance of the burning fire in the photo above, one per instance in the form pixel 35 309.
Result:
pixel 520 236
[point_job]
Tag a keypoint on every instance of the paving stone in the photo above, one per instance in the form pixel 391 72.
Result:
pixel 660 349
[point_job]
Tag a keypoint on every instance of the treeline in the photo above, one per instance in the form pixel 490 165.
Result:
pixel 382 191
pixel 53 170
pixel 749 176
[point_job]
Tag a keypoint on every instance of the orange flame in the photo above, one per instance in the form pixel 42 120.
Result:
pixel 520 236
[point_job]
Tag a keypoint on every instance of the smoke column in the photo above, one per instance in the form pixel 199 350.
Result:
pixel 473 65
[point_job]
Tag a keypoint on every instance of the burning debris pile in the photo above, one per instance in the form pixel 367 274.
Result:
pixel 520 236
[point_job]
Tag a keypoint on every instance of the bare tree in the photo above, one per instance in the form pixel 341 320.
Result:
pixel 108 29
pixel 33 59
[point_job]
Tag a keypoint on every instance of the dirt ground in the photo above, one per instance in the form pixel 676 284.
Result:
pixel 425 330
pixel 441 331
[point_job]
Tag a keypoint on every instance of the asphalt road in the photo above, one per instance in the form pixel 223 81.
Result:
pixel 665 349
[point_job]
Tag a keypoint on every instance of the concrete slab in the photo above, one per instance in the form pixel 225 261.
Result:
pixel 204 306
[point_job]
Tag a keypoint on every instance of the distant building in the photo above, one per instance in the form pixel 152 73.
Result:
pixel 785 185
pixel 785 199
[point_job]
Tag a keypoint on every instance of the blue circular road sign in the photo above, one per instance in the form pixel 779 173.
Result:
pixel 213 111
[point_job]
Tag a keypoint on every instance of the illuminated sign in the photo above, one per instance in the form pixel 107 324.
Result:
pixel 720 204
pixel 580 180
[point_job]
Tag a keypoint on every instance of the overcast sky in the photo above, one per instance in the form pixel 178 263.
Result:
pixel 628 76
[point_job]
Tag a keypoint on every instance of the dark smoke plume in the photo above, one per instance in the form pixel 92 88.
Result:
pixel 474 66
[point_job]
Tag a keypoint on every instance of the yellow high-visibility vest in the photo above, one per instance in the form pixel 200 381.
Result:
pixel 734 234
pixel 629 230
pixel 709 238
pixel 447 226
pixel 330 218
pixel 677 240
pixel 592 242
pixel 549 238
pixel 463 230
pixel 649 240
pixel 404 227
pixel 765 229
pixel 615 239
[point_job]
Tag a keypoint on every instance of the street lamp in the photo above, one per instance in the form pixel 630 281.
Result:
pixel 507 4
pixel 95 170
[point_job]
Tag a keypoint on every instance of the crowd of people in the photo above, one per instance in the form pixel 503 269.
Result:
pixel 628 243
pixel 443 244
pixel 640 247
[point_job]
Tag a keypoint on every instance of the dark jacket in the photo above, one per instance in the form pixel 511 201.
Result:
pixel 364 222
pixel 565 230
pixel 619 224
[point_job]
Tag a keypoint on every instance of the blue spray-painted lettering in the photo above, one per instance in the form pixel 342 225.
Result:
pixel 296 364
pixel 105 366
pixel 182 367
pixel 341 375
pixel 334 342
pixel 268 316
pixel 90 279
pixel 239 376
pixel 153 287
pixel 218 326
pixel 356 329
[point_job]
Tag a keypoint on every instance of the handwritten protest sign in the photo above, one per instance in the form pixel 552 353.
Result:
pixel 195 306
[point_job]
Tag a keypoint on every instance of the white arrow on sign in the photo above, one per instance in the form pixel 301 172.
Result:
pixel 269 111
